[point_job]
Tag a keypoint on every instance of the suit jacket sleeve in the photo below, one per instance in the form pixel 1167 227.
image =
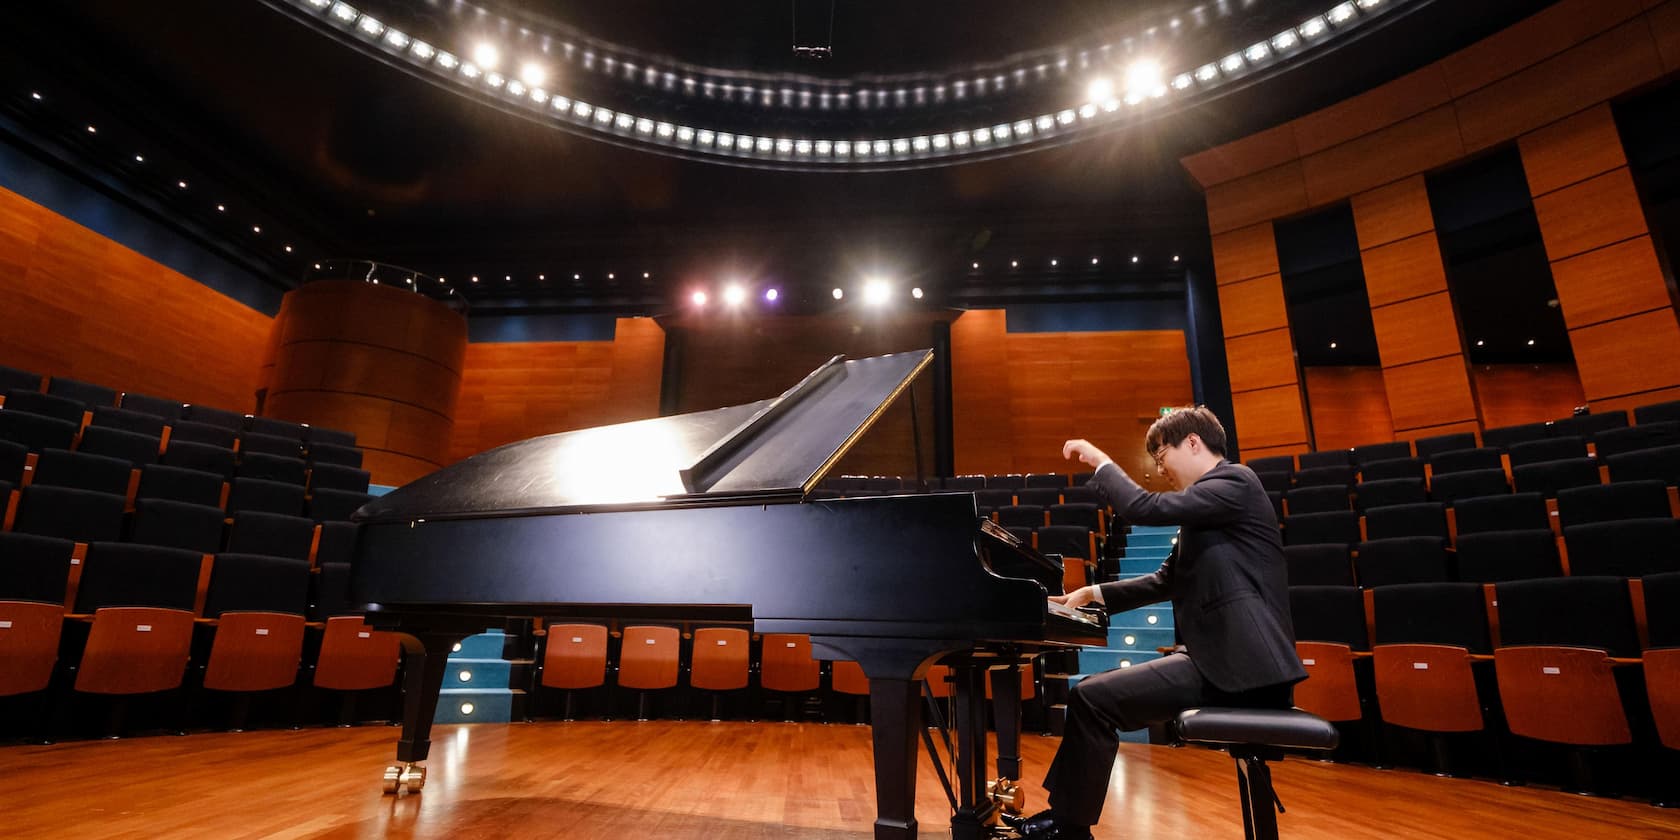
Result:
pixel 1212 501
pixel 1118 596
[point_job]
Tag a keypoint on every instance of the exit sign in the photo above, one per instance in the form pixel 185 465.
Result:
pixel 1167 409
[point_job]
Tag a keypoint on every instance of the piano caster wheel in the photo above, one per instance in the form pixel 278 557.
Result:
pixel 1008 795
pixel 404 778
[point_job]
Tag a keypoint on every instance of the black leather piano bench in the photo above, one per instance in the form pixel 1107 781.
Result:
pixel 1254 737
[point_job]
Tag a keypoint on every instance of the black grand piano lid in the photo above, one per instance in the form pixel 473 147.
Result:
pixel 772 450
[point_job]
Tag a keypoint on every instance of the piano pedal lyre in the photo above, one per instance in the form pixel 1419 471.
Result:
pixel 1007 794
pixel 407 777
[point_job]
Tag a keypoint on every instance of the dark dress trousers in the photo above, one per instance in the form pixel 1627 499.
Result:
pixel 1230 593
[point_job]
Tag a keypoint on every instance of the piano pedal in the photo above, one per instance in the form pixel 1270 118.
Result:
pixel 1008 795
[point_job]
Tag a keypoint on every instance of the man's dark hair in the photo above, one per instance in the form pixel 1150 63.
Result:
pixel 1180 423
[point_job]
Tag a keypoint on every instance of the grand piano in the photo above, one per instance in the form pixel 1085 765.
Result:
pixel 709 515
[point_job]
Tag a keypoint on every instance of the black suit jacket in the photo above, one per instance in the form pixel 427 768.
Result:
pixel 1226 578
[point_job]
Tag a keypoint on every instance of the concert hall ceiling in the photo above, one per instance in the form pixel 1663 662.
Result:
pixel 608 156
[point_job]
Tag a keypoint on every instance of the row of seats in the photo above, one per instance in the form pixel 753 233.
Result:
pixel 1409 655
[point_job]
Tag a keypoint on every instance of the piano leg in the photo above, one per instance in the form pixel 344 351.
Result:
pixel 427 656
pixel 1006 715
pixel 895 717
pixel 975 810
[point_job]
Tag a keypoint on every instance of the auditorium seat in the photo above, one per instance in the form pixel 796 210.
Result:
pixel 1056 480
pixel 969 483
pixel 574 659
pixel 1425 637
pixel 1078 547
pixel 82 470
pixel 13 458
pixel 648 661
pixel 1465 460
pixel 786 667
pixel 1549 449
pixel 1274 463
pixel 46 405
pixel 109 417
pixel 1276 498
pixel 1391 491
pixel 86 393
pixel 1316 500
pixel 1330 635
pixel 160 481
pixel 992 499
pixel 1429 447
pixel 82 515
pixel 1503 436
pixel 35 431
pixel 273 534
pixel 1607 502
pixel 847 679
pixel 1420 519
pixel 1340 527
pixel 29 637
pixel 1554 661
pixel 1505 512
pixel 1082 514
pixel 34 567
pixel 255 443
pixel 1548 477
pixel 1661 464
pixel 1635 438
pixel 1661 594
pixel 16 378
pixel 208 434
pixel 330 592
pixel 337 543
pixel 1041 496
pixel 1275 481
pixel 319 435
pixel 1385 562
pixel 1663 412
pixel 275 427
pixel 1374 452
pixel 1451 487
pixel 1082 495
pixel 167 409
pixel 177 525
pixel 1318 565
pixel 1391 469
pixel 721 663
pixel 1495 556
pixel 268 496
pixel 1586 425
pixel 329 453
pixel 335 505
pixel 1025 516
pixel 258 603
pixel 1333 475
pixel 141 598
pixel 1327 458
pixel 136 448
pixel 204 457
pixel 214 416
pixel 354 657
pixel 1625 547
pixel 272 468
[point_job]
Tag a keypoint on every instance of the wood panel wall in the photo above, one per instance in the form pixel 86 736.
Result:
pixel 1349 406
pixel 1544 83
pixel 734 360
pixel 1266 396
pixel 1616 303
pixel 518 390
pixel 1423 362
pixel 1515 394
pixel 375 360
pixel 1017 397
pixel 81 306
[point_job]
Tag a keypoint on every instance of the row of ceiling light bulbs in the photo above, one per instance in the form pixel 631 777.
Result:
pixel 1145 82
pixel 876 291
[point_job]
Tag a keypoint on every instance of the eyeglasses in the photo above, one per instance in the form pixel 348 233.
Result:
pixel 1157 455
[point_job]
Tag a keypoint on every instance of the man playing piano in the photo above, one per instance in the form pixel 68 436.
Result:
pixel 1229 589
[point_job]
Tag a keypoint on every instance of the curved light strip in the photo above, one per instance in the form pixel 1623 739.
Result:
pixel 1024 133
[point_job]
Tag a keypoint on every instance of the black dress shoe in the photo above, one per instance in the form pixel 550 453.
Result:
pixel 1043 826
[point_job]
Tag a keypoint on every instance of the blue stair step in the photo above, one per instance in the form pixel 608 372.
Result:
pixel 1137 540
pixel 1131 638
pixel 1131 565
pixel 465 673
pixel 475 705
pixel 1144 618
pixel 486 645
pixel 1097 660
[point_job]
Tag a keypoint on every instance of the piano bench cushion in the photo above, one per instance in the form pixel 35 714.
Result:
pixel 1286 728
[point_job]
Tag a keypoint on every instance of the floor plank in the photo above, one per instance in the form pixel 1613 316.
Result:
pixel 673 779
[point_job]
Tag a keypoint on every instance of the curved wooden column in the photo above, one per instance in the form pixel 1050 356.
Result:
pixel 375 360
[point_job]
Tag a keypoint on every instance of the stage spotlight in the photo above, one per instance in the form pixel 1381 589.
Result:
pixel 770 295
pixel 734 295
pixel 916 293
pixel 1143 77
pixel 876 291
pixel 485 55
pixel 698 298
pixel 839 293
pixel 533 74
pixel 1099 90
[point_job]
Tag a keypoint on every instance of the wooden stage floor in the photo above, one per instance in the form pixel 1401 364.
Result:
pixel 673 779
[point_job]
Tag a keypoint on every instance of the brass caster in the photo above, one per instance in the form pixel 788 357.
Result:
pixel 1008 795
pixel 413 778
pixel 393 775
